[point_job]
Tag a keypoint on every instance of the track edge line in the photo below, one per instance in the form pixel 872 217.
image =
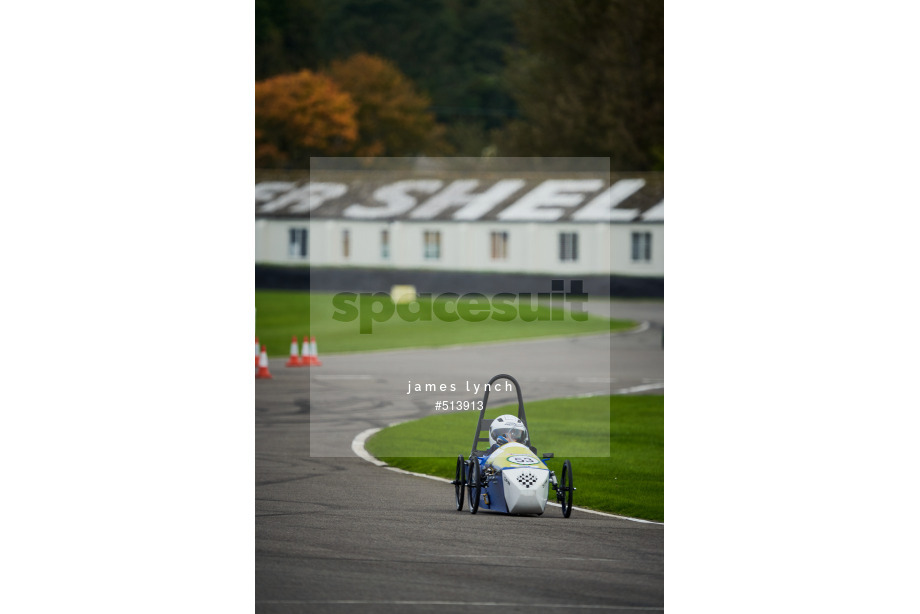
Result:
pixel 357 446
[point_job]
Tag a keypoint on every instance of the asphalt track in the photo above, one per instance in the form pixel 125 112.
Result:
pixel 335 533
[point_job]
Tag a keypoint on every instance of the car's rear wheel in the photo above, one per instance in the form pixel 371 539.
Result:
pixel 459 482
pixel 566 489
pixel 474 482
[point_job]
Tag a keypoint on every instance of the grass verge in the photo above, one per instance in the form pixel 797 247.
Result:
pixel 283 314
pixel 630 481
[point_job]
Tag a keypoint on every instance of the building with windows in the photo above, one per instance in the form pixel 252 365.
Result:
pixel 485 224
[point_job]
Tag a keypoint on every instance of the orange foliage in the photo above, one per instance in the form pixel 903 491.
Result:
pixel 393 118
pixel 302 115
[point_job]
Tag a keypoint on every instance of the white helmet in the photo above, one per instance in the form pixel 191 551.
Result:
pixel 507 428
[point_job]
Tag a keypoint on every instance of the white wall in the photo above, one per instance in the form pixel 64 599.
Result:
pixel 621 250
pixel 533 247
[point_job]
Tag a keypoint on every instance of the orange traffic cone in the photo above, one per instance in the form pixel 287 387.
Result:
pixel 312 359
pixel 257 352
pixel 294 360
pixel 263 366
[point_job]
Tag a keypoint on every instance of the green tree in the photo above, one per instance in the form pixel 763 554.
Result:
pixel 453 50
pixel 286 37
pixel 589 80
pixel 406 32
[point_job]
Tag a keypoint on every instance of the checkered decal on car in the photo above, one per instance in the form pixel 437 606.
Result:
pixel 526 479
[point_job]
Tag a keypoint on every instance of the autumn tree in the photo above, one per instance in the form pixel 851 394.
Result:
pixel 393 117
pixel 589 81
pixel 301 115
pixel 452 50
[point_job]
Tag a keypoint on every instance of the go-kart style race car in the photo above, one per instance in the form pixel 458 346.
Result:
pixel 507 475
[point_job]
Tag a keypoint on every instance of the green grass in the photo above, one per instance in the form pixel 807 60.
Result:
pixel 283 314
pixel 630 481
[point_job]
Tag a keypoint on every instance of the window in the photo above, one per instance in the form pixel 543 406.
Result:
pixel 642 247
pixel 346 244
pixel 568 246
pixel 499 246
pixel 432 245
pixel 297 242
pixel 385 244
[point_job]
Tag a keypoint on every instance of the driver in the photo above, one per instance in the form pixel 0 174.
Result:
pixel 506 429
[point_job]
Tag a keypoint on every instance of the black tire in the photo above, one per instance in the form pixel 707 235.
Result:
pixel 475 484
pixel 460 482
pixel 565 488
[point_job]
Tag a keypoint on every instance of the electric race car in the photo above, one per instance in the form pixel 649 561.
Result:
pixel 508 476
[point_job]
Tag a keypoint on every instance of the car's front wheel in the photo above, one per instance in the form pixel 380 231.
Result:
pixel 474 480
